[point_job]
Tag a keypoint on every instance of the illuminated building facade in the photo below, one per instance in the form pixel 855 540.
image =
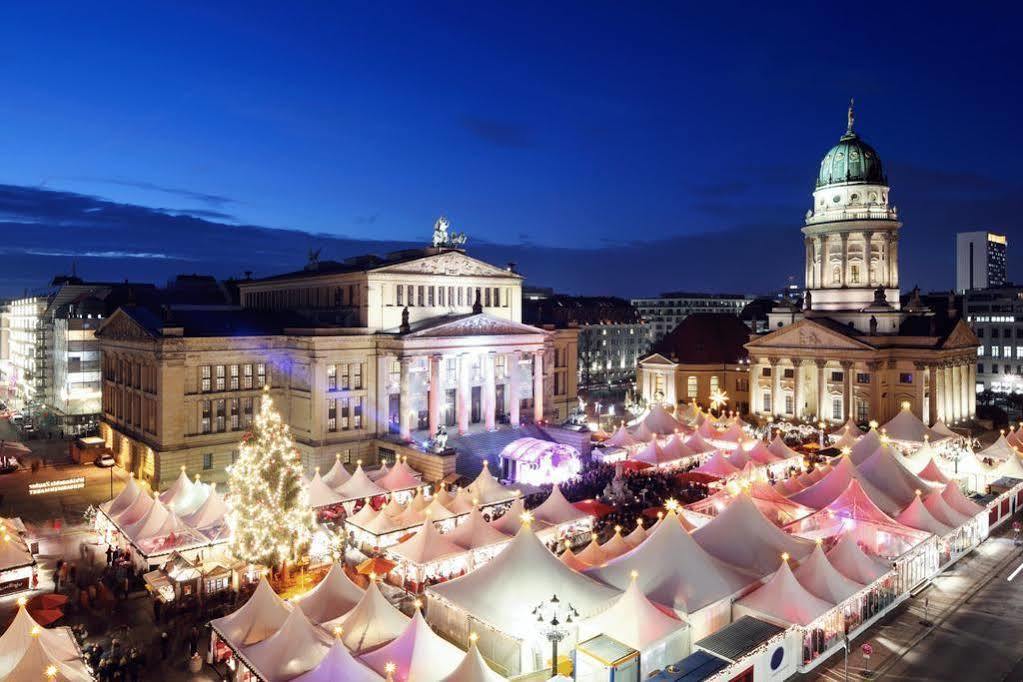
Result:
pixel 980 260
pixel 996 316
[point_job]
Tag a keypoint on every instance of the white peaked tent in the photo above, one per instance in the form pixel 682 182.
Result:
pixel 338 475
pixel 621 438
pixel 473 669
pixel 698 445
pixel 210 514
pixel 475 533
pixel 261 616
pixel 866 446
pixel 426 546
pixel 373 621
pixel 827 490
pixel 907 427
pixel 1000 450
pixel 673 570
pixel 400 477
pixel 888 475
pixel 339 665
pixel 783 598
pixel 916 515
pixel 676 448
pixel 418 653
pixel 333 597
pixel 642 434
pixel 360 486
pixel 706 429
pixel 36 662
pixel 653 454
pixel 321 494
pixel 14 553
pixel 437 511
pixel 511 520
pixel 503 591
pixel 762 454
pixel 960 502
pixel 637 536
pixel 393 508
pixel 184 496
pixel 943 511
pixel 733 433
pixel 592 554
pixel 462 502
pixel 855 564
pixel 779 448
pixel 847 440
pixel 738 458
pixel 420 501
pixel 569 558
pixel 128 495
pixel 556 510
pixel 918 459
pixel 1011 467
pixel 718 465
pixel 379 472
pixel 932 473
pixel 659 422
pixel 57 643
pixel 294 649
pixel 412 516
pixel 362 517
pixel 661 638
pixel 487 489
pixel 942 431
pixel 136 510
pixel 823 580
pixel 616 545
pixel 850 426
pixel 742 536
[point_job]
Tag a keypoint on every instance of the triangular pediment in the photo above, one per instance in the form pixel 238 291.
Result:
pixel 807 334
pixel 657 359
pixel 447 263
pixel 470 325
pixel 961 337
pixel 123 327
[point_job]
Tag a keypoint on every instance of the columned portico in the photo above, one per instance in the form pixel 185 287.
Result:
pixel 822 387
pixel 405 399
pixel 462 393
pixel 515 402
pixel 538 386
pixel 776 408
pixel 972 388
pixel 489 391
pixel 797 388
pixel 964 393
pixel 932 402
pixel 847 390
pixel 435 392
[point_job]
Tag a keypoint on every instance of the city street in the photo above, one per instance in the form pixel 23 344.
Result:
pixel 976 631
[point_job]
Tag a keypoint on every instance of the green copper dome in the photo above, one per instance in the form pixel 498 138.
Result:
pixel 851 161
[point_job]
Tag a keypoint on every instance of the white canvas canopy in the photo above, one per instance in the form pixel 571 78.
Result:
pixel 503 591
pixel 400 477
pixel 943 511
pixel 847 440
pixel 338 475
pixel 128 495
pixel 556 510
pixel 616 545
pixel 373 621
pixel 658 421
pixel 742 536
pixel 418 653
pixel 676 448
pixel 569 558
pixel 393 508
pixel 855 564
pixel 474 669
pixel 14 553
pixel 637 536
pixel 592 554
pixel 261 616
pixel 734 433
pixel 426 546
pixel 636 622
pixel 321 494
pixel 360 486
pixel 297 647
pixel 825 491
pixel 932 473
pixel 333 597
pixel 476 533
pixel 621 438
pixel 823 580
pixel 908 428
pixel 463 502
pixel 915 515
pixel 210 514
pixel 674 570
pixel 784 599
pixel 782 450
pixel 918 459
pixel 866 446
pixel 941 430
pixel 761 453
pixel 510 522
pixel 36 662
pixel 135 511
pixel 958 501
pixel 717 465
pixel 379 472
pixel 420 501
pixel 642 434
pixel 698 445
pixel 850 426
pixel 184 496
pixel 1011 467
pixel 56 643
pixel 1000 450
pixel 338 665
pixel 487 489
pixel 652 454
pixel 888 475
pixel 362 517
pixel 437 511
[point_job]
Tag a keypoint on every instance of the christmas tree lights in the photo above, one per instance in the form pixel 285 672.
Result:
pixel 267 504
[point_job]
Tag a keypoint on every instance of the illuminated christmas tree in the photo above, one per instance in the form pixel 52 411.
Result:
pixel 268 509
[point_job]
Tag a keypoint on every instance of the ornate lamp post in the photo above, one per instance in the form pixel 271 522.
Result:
pixel 554 620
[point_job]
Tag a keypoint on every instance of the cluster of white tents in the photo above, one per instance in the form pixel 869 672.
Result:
pixel 338 487
pixel 189 515
pixel 338 631
pixel 29 651
pixel 17 564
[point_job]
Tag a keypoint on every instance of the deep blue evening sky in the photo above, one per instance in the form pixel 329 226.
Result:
pixel 678 146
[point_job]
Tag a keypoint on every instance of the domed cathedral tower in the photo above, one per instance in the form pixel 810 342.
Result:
pixel 852 232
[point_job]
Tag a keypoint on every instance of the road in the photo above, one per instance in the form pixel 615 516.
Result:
pixel 976 632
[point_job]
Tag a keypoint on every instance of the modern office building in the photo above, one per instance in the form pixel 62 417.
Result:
pixel 980 260
pixel 663 313
pixel 996 315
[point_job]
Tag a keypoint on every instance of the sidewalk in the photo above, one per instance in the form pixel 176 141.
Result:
pixel 974 632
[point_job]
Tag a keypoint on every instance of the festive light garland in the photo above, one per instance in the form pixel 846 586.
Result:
pixel 268 508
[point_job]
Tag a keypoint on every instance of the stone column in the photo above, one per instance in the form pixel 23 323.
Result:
pixel 971 389
pixel 918 385
pixel 874 367
pixel 776 387
pixel 754 387
pixel 405 399
pixel 845 259
pixel 514 404
pixel 964 387
pixel 847 390
pixel 489 391
pixel 797 388
pixel 538 386
pixel 822 387
pixel 463 394
pixel 894 260
pixel 952 408
pixel 868 239
pixel 938 391
pixel 932 402
pixel 436 390
pixel 818 262
pixel 383 398
pixel 808 267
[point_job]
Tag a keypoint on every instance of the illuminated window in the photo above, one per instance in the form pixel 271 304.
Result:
pixel 691 387
pixel 714 384
pixel 331 377
pixel 205 379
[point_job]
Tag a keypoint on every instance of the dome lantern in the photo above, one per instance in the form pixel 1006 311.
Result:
pixel 851 161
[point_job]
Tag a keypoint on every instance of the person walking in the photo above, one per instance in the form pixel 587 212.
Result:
pixel 57 575
pixel 164 646
pixel 110 554
pixel 193 641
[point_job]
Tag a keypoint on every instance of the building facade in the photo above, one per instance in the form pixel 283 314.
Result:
pixel 359 356
pixel 663 313
pixel 996 316
pixel 854 350
pixel 703 360
pixel 29 364
pixel 980 260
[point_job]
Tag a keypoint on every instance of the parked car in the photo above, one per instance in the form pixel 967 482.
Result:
pixel 105 461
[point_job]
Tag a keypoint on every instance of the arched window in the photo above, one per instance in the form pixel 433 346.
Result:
pixel 836 275
pixel 855 274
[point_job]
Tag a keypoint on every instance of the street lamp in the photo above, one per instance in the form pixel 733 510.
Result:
pixel 554 619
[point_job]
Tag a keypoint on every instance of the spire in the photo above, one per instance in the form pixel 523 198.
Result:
pixel 852 116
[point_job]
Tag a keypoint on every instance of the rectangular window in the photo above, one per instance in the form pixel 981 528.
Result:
pixel 460 296
pixel 994 351
pixel 837 376
pixel 207 461
pixel 247 412
pixel 1006 351
pixel 766 401
pixel 862 378
pixel 862 410
pixel 234 377
pixel 431 301
pixel 204 378
pixel 356 370
pixel 332 414
pixel 205 416
pixel 400 291
pixel 261 375
pixel 344 414
pixel 422 295
pixel 691 387
pixel 788 373
pixel 411 295
pixel 497 297
pixel 331 377
pixel 766 372
pixel 235 417
pixel 980 351
pixel 440 296
pixel 836 409
pixel 221 415
pixel 790 404
pixel 356 413
pixel 905 378
pixel 220 382
pixel 345 378
pixel 246 376
pixel 486 297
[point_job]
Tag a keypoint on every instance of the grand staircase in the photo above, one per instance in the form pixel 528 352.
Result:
pixel 474 448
